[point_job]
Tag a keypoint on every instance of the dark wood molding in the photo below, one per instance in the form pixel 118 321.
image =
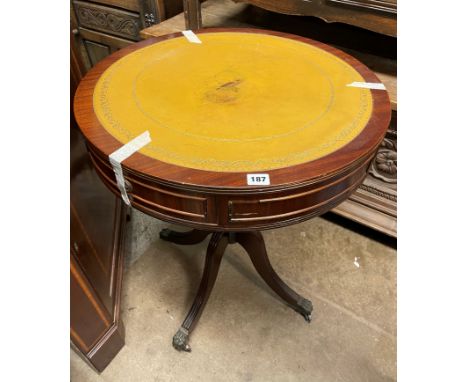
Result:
pixel 366 15
pixel 377 5
pixel 192 13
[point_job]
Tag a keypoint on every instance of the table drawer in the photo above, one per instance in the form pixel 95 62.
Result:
pixel 168 202
pixel 163 200
pixel 291 206
pixel 109 20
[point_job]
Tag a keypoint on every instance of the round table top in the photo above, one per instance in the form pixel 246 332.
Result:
pixel 241 101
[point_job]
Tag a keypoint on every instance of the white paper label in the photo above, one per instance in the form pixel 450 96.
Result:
pixel 192 37
pixel 118 156
pixel 368 85
pixel 258 179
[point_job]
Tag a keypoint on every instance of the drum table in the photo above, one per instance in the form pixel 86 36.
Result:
pixel 250 130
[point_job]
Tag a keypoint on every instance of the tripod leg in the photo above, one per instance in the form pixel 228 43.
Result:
pixel 214 254
pixel 254 244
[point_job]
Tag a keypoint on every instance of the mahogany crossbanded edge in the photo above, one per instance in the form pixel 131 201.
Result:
pixel 232 210
pixel 357 150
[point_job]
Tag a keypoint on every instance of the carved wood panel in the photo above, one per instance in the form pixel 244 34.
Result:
pixel 384 166
pixel 375 201
pixel 100 27
pixel 110 20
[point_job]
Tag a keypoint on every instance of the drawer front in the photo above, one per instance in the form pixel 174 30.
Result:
pixel 268 210
pixel 184 206
pixel 163 200
pixel 109 20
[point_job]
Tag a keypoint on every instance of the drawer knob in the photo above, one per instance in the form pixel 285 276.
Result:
pixel 128 186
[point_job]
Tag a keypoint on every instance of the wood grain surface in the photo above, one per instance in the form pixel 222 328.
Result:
pixel 380 22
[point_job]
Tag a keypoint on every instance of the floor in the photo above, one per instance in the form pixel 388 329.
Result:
pixel 246 333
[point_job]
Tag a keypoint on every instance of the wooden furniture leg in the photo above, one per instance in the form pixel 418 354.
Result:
pixel 254 244
pixel 194 236
pixel 214 254
pixel 192 13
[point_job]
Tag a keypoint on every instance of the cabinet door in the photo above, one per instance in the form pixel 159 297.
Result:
pixel 90 37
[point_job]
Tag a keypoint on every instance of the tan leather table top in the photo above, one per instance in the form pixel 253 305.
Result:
pixel 235 102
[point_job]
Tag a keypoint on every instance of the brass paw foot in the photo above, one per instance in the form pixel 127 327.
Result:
pixel 304 307
pixel 165 234
pixel 180 339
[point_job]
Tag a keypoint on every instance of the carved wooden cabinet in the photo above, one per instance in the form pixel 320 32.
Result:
pixel 103 26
